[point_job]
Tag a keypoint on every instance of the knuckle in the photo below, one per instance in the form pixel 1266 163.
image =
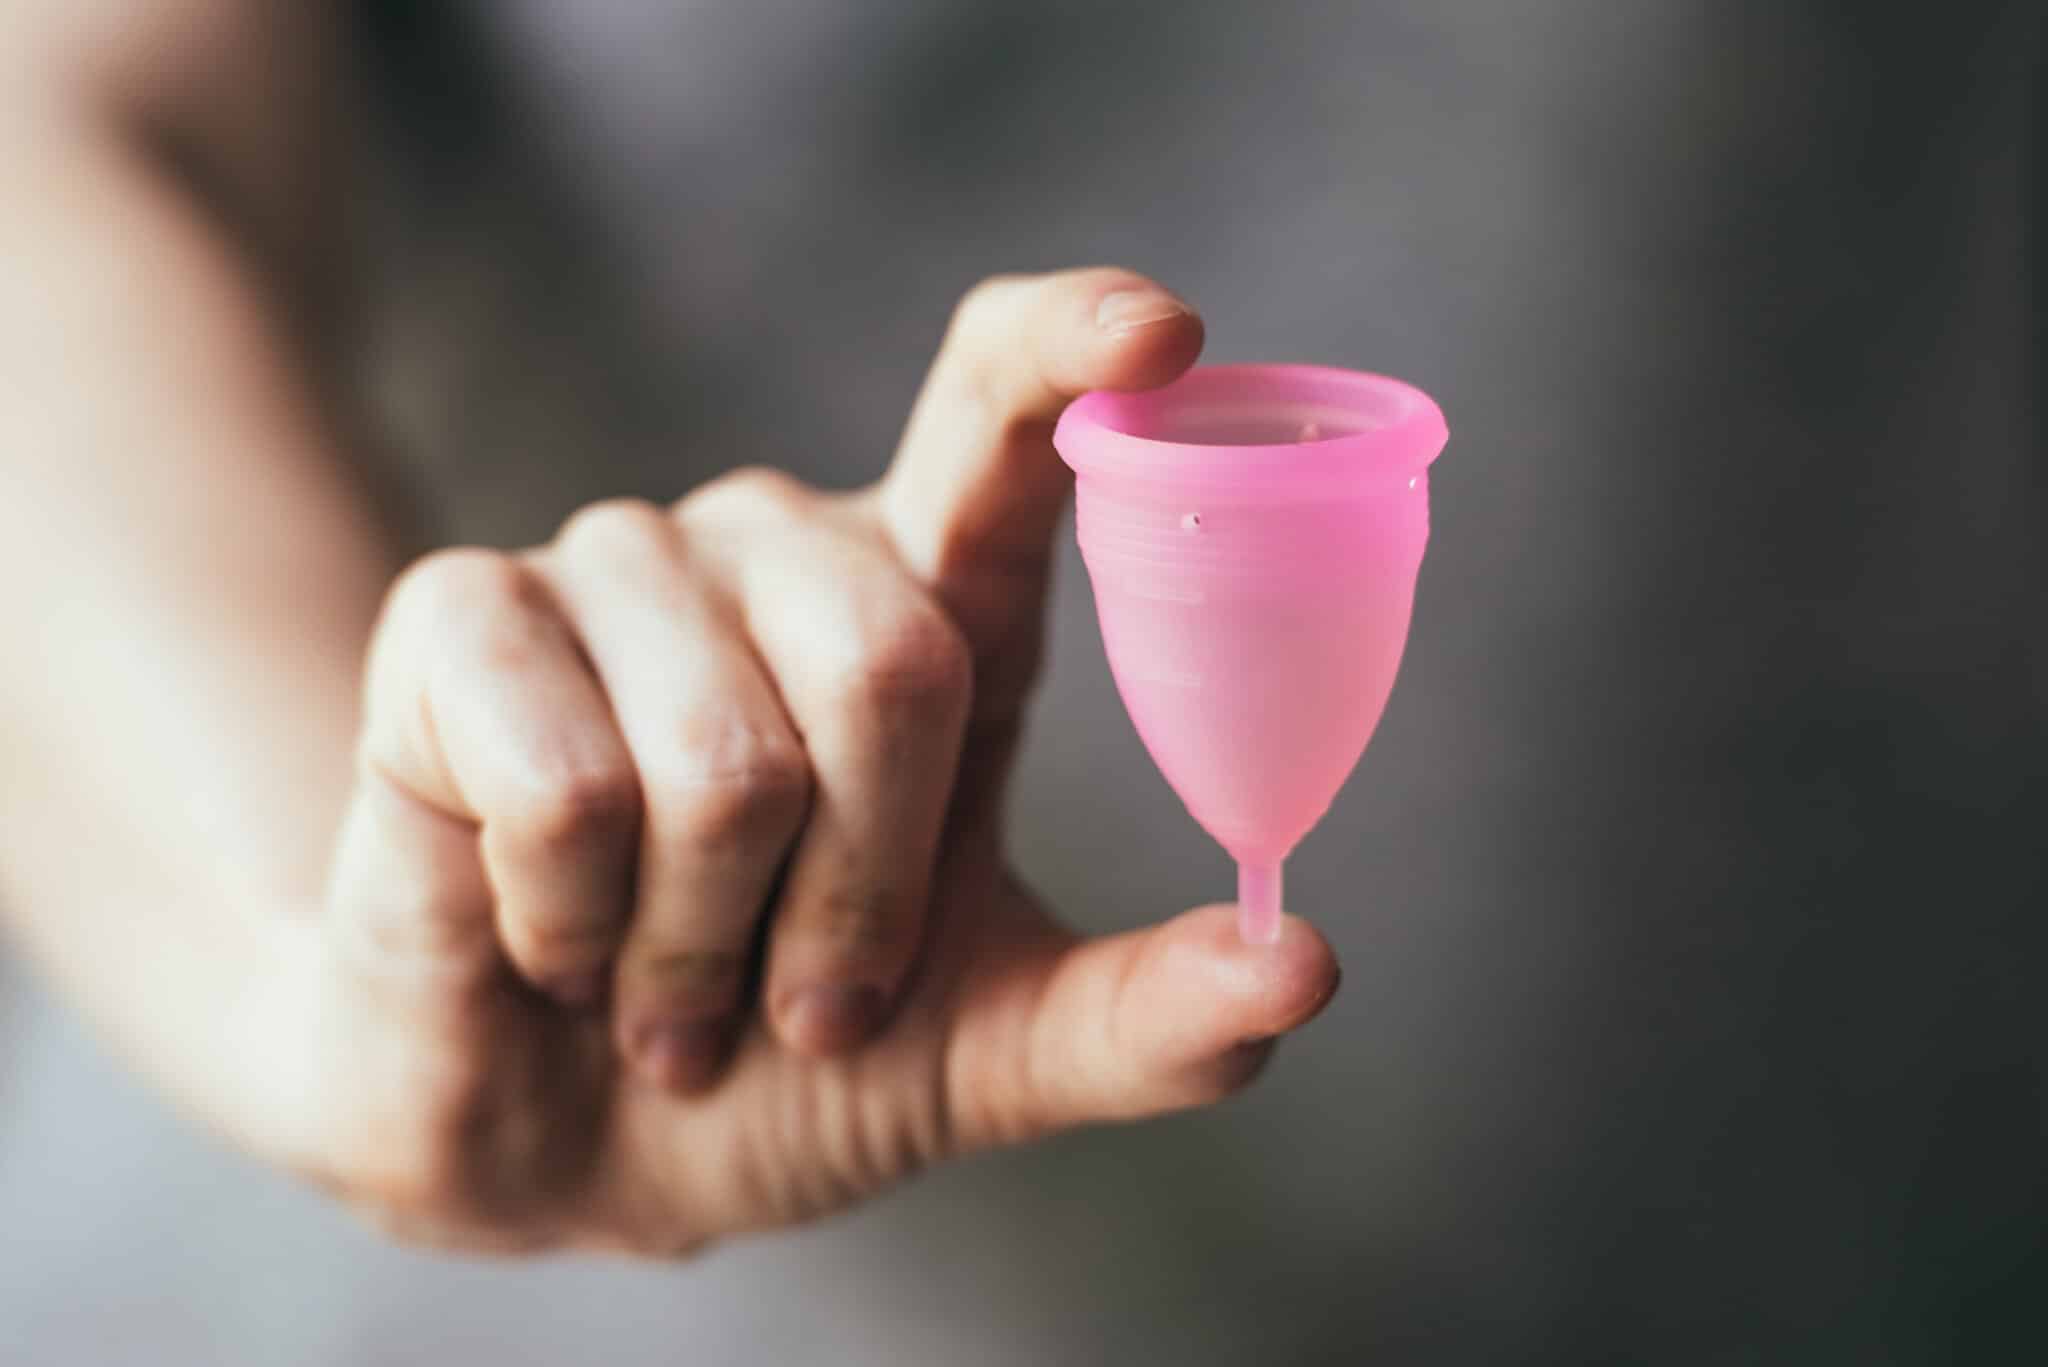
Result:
pixel 612 526
pixel 974 352
pixel 749 491
pixel 919 662
pixel 573 808
pixel 982 303
pixel 737 787
pixel 550 940
pixel 736 810
pixel 458 582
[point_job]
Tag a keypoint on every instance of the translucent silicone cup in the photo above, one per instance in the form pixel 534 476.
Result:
pixel 1253 535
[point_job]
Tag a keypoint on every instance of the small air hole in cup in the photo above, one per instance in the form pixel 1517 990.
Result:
pixel 1191 522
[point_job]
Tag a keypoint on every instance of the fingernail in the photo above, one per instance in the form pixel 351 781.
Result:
pixel 679 1053
pixel 1128 309
pixel 832 1017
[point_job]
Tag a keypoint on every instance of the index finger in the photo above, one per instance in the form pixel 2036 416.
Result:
pixel 976 488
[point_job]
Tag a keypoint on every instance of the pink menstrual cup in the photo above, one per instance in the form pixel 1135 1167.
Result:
pixel 1253 534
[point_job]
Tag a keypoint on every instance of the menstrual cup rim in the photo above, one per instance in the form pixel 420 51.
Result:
pixel 1383 457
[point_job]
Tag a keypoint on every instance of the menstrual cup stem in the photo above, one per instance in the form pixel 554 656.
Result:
pixel 1258 903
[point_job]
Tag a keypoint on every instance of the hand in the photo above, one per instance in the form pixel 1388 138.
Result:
pixel 671 903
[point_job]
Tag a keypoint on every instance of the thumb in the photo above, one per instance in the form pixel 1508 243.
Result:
pixel 1176 1015
pixel 976 488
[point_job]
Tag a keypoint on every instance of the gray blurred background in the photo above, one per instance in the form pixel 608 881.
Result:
pixel 1691 897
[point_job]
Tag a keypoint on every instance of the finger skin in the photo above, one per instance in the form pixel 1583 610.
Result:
pixel 410 905
pixel 878 681
pixel 724 777
pixel 482 709
pixel 1177 1015
pixel 976 490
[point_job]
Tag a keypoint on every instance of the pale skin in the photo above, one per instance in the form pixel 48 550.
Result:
pixel 627 892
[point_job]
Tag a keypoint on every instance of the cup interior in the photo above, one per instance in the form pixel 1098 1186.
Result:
pixel 1259 406
pixel 1262 432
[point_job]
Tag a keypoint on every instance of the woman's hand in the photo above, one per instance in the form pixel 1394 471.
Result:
pixel 671 901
